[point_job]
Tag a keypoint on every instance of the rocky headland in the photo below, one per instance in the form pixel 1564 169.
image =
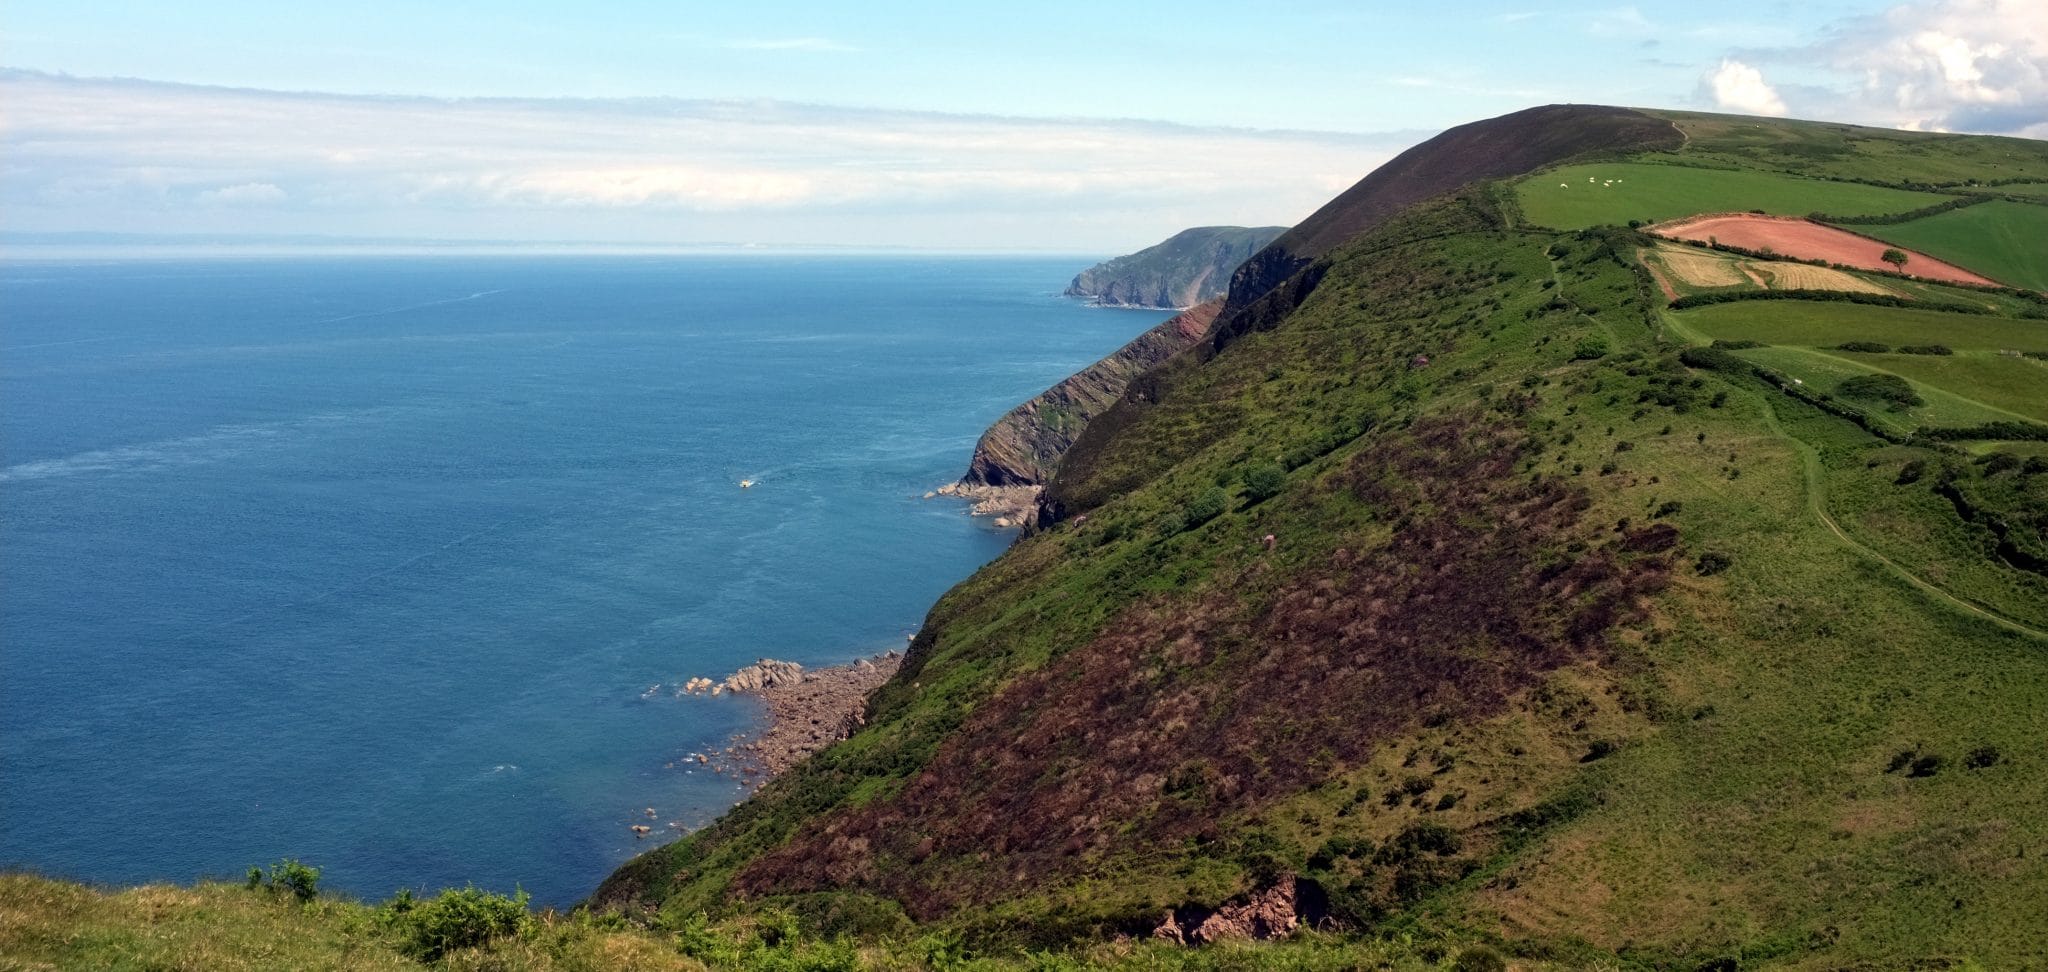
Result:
pixel 1186 269
pixel 1024 446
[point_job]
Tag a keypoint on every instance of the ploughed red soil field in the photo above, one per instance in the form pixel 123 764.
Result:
pixel 1805 240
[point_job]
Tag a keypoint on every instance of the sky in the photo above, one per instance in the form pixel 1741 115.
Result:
pixel 1081 127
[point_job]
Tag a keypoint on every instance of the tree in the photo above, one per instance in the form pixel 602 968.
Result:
pixel 1894 256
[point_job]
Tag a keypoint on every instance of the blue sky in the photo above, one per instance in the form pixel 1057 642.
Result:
pixel 1083 126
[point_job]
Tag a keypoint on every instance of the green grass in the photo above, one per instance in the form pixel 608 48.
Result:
pixel 1563 199
pixel 2006 241
pixel 1834 150
pixel 2018 386
pixel 1824 324
pixel 1824 370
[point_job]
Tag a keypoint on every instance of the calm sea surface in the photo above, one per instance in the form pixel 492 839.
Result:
pixel 373 562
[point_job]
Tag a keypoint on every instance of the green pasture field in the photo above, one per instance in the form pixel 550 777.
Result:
pixel 2006 241
pixel 1825 371
pixel 1838 151
pixel 1564 199
pixel 2013 384
pixel 1823 324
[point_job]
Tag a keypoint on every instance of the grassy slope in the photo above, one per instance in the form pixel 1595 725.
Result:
pixel 2000 239
pixel 1484 686
pixel 1828 324
pixel 1651 192
pixel 1756 709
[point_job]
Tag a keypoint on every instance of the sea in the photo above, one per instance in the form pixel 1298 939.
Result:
pixel 393 565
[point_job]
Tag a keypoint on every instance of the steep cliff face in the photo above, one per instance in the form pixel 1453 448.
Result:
pixel 1190 267
pixel 1023 447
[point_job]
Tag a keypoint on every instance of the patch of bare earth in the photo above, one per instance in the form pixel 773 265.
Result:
pixel 1807 240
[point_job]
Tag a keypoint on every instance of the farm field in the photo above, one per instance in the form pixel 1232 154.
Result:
pixel 1825 324
pixel 1808 240
pixel 2035 189
pixel 1829 149
pixel 2014 384
pixel 1563 198
pixel 1691 270
pixel 2007 241
pixel 1826 370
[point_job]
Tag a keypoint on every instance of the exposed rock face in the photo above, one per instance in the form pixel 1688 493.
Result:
pixel 764 674
pixel 1190 267
pixel 1023 447
pixel 1272 913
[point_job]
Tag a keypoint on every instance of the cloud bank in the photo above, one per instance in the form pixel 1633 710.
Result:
pixel 1950 65
pixel 134 156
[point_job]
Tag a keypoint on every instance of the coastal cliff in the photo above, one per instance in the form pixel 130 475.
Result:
pixel 1186 269
pixel 1024 446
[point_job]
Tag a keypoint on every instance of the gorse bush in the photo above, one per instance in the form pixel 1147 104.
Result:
pixel 1263 481
pixel 1207 506
pixel 1880 388
pixel 454 920
pixel 288 876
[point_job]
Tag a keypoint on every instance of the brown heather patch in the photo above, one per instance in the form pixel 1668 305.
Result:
pixel 1185 711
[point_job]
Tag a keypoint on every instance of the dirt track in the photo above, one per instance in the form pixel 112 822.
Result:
pixel 1803 240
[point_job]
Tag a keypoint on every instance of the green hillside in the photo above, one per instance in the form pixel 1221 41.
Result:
pixel 1578 196
pixel 1458 598
pixel 2000 239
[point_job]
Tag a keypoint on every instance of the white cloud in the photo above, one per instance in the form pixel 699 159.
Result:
pixel 1741 88
pixel 164 158
pixel 1946 65
pixel 243 194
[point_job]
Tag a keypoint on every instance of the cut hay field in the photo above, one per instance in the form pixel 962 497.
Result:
pixel 1826 324
pixel 1563 198
pixel 2007 241
pixel 1691 270
pixel 1799 276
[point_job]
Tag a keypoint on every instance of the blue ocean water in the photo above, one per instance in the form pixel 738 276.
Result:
pixel 372 562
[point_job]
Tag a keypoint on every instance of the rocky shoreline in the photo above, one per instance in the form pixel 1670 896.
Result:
pixel 808 709
pixel 1012 506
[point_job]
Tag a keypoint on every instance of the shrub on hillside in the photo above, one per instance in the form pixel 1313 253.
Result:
pixel 1864 347
pixel 1713 359
pixel 288 876
pixel 1934 349
pixel 1890 389
pixel 1590 348
pixel 454 920
pixel 1207 506
pixel 1263 481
